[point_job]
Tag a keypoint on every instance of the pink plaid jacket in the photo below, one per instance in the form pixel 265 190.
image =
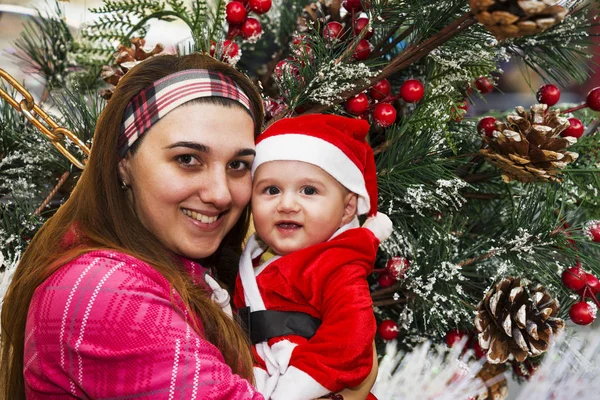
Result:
pixel 104 326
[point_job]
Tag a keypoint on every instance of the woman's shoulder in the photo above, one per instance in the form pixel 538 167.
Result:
pixel 106 268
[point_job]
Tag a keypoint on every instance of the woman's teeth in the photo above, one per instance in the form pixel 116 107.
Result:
pixel 205 219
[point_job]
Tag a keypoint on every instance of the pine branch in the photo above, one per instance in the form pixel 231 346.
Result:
pixel 409 56
pixel 561 53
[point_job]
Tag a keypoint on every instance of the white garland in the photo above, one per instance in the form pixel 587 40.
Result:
pixel 426 374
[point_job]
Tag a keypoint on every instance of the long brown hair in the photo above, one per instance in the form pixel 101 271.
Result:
pixel 99 209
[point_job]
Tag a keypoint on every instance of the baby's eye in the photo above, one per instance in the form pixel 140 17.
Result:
pixel 309 190
pixel 272 190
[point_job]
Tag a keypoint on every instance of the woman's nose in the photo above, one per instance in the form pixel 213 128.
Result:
pixel 215 188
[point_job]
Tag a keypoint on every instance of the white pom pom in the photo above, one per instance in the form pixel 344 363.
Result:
pixel 380 225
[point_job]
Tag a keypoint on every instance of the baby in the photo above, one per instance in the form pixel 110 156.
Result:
pixel 308 308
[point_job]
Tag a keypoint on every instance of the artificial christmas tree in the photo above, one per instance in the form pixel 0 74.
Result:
pixel 409 68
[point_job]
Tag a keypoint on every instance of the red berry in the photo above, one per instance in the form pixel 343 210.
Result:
pixel 487 126
pixel 363 49
pixel 396 267
pixel 385 280
pixel 459 115
pixel 583 313
pixel 300 45
pixel 593 99
pixel 233 31
pixel 332 31
pixel 454 336
pixel 592 286
pixel 235 13
pixel 380 90
pixel 259 6
pixel 353 5
pixel 251 29
pixel 388 330
pixel 575 129
pixel 286 67
pixel 358 104
pixel 574 277
pixel 484 85
pixel 412 90
pixel 593 231
pixel 548 94
pixel 230 49
pixel 384 114
pixel 360 24
pixel 479 352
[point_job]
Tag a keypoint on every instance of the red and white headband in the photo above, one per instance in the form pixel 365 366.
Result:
pixel 153 103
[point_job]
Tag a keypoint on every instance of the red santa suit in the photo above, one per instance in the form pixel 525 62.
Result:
pixel 328 282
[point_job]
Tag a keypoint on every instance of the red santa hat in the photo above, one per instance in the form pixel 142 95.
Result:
pixel 334 143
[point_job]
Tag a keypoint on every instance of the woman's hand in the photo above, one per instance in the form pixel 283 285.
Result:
pixel 361 391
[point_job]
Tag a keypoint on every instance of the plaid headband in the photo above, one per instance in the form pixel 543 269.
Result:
pixel 153 103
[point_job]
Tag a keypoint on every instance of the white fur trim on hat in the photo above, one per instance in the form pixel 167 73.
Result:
pixel 319 152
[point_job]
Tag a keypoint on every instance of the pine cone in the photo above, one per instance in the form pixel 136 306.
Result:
pixel 528 147
pixel 516 18
pixel 321 10
pixel 511 321
pixel 126 58
pixel 495 381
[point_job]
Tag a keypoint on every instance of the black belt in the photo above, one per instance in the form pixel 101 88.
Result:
pixel 264 325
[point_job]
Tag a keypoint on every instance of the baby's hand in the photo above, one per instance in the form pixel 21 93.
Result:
pixel 380 225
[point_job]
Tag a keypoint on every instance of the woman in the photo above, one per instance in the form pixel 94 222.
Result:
pixel 107 301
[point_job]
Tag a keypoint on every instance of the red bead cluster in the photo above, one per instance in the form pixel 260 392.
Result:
pixel 378 103
pixel 395 270
pixel 587 286
pixel 334 32
pixel 456 335
pixel 230 51
pixel 240 24
pixel 550 95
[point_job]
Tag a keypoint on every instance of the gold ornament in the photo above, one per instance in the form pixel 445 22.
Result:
pixel 528 147
pixel 514 320
pixel 516 18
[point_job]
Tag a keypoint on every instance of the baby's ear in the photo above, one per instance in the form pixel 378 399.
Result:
pixel 350 205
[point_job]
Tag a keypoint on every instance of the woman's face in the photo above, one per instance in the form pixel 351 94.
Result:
pixel 190 177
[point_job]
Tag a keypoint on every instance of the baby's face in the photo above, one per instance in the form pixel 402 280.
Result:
pixel 296 205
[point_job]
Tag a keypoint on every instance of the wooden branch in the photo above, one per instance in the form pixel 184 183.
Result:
pixel 48 198
pixel 389 302
pixel 478 178
pixel 483 257
pixel 407 57
pixel 388 290
pixel 479 196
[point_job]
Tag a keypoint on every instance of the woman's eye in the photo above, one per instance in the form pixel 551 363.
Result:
pixel 309 190
pixel 239 165
pixel 187 159
pixel 272 190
